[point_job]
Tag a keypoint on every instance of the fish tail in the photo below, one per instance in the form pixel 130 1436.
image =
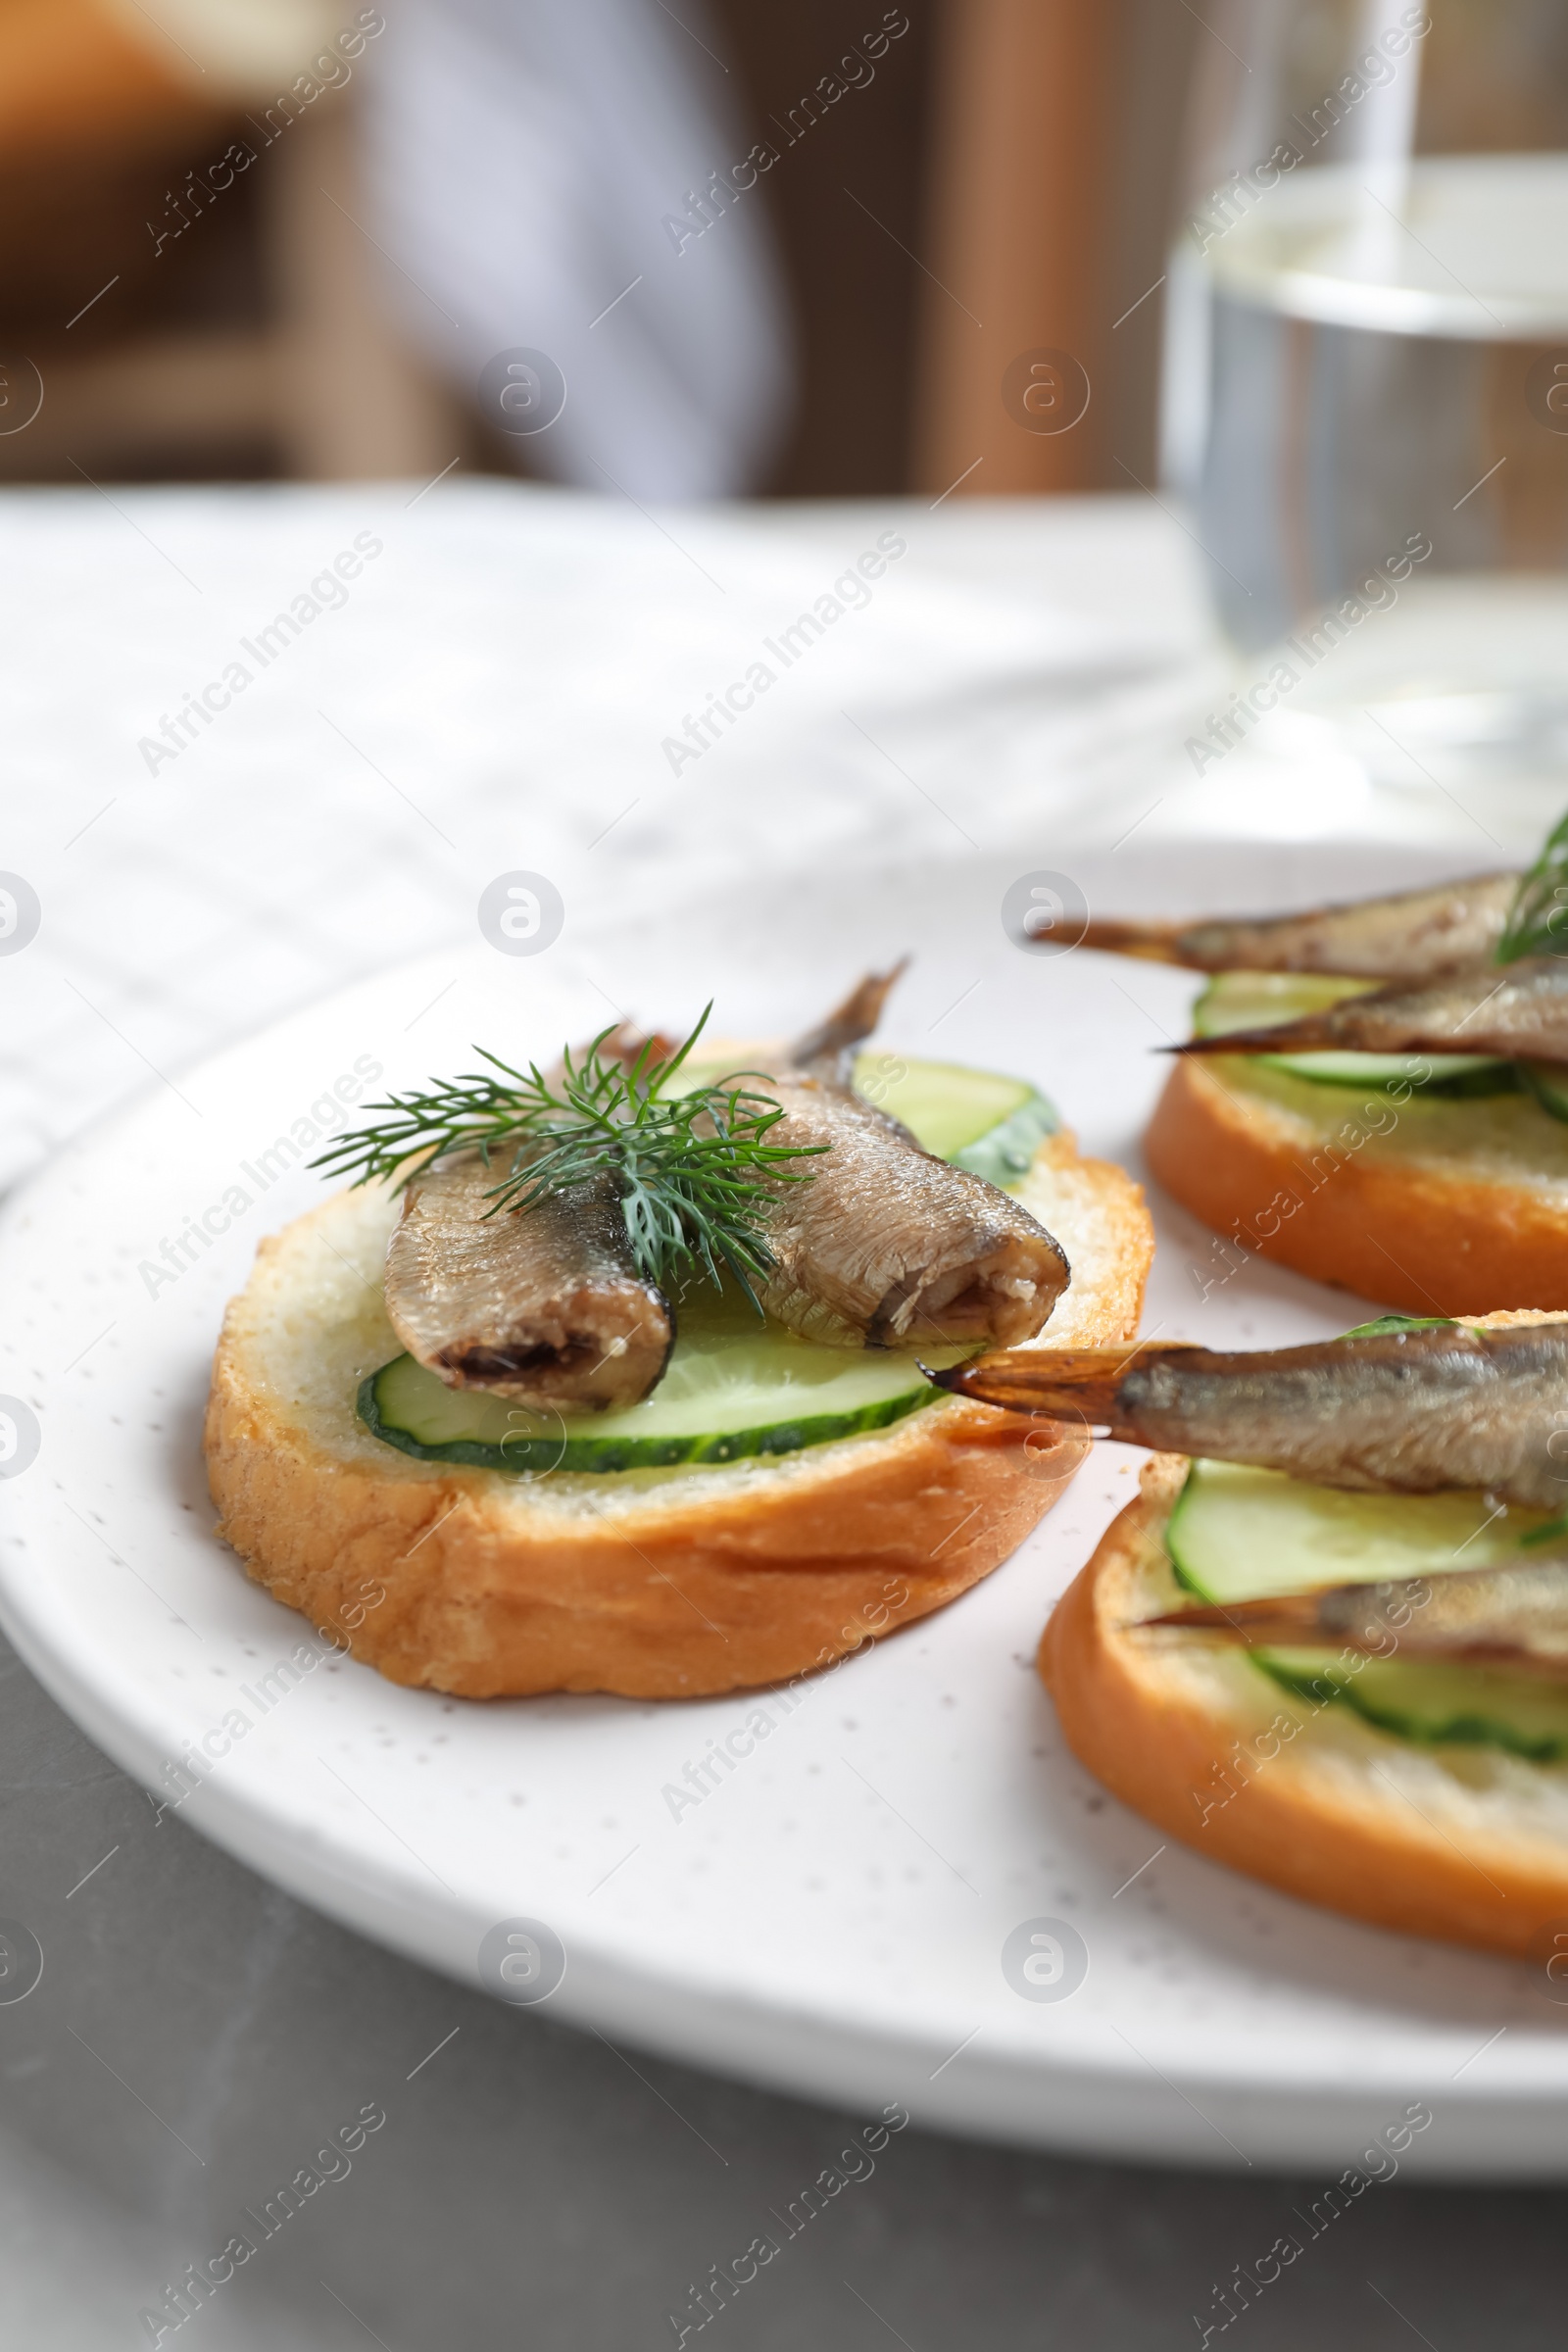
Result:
pixel 1155 943
pixel 1068 1385
pixel 1300 1035
pixel 1284 1618
pixel 1512 1618
pixel 848 1022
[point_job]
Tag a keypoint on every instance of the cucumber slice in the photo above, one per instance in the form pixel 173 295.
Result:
pixel 1258 999
pixel 1547 1081
pixel 1447 1073
pixel 989 1124
pixel 1444 1705
pixel 1237 1532
pixel 1006 1155
pixel 1386 1323
pixel 734 1388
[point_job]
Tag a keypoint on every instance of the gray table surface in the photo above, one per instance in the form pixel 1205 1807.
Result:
pixel 196 2034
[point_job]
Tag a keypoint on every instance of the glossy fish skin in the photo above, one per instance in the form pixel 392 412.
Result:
pixel 885 1246
pixel 1410 1412
pixel 543 1304
pixel 1514 1619
pixel 1412 936
pixel 1518 1011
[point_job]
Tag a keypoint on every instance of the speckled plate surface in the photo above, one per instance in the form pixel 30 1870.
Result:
pixel 848 1907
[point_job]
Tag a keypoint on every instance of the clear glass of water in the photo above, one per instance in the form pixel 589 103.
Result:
pixel 1366 379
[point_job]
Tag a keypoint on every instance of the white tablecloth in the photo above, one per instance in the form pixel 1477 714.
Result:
pixel 493 691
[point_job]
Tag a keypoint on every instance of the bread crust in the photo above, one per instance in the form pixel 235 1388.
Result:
pixel 1317 1810
pixel 652 1585
pixel 1405 1229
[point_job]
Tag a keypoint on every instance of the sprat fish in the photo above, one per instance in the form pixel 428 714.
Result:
pixel 1518 1011
pixel 545 1305
pixel 1513 1619
pixel 887 1246
pixel 1404 1412
pixel 1413 935
pixel 877 1244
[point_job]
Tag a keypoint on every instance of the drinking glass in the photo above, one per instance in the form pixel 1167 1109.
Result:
pixel 1366 379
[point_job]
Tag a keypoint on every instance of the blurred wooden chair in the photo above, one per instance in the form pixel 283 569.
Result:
pixel 99 128
pixel 1028 245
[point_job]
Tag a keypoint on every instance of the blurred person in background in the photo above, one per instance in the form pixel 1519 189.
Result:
pixel 570 179
pixel 564 180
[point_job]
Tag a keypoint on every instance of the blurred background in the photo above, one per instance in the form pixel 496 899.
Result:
pixel 282 238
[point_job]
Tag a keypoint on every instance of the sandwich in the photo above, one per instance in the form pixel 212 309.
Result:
pixel 1377 1094
pixel 609 1377
pixel 1328 1643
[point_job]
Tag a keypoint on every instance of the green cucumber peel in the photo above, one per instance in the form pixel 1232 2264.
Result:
pixel 1464 1723
pixel 533 1457
pixel 1235 1532
pixel 1388 1323
pixel 1004 1157
pixel 1249 1000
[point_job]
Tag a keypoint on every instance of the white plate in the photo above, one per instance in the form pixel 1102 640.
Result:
pixel 831 1918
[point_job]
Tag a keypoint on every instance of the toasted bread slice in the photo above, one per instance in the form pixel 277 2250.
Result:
pixel 1441 1207
pixel 1466 1843
pixel 659 1583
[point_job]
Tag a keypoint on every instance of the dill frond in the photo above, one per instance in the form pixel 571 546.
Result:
pixel 1538 919
pixel 686 1167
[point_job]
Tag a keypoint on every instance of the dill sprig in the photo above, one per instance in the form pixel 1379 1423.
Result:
pixel 684 1165
pixel 1538 919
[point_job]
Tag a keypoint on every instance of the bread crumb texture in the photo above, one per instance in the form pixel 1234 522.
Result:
pixel 1466 1843
pixel 1437 1207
